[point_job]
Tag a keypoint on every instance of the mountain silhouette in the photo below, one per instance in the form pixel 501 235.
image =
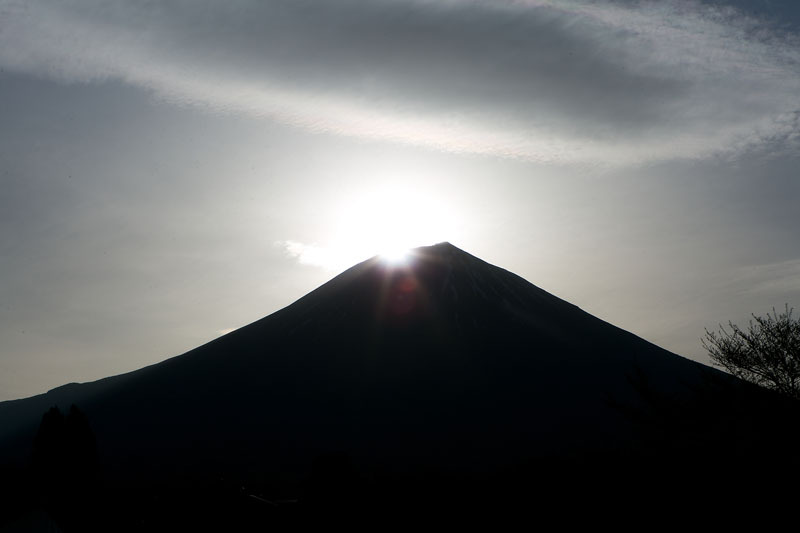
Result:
pixel 444 372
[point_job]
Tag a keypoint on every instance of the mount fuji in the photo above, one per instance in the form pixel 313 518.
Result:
pixel 432 384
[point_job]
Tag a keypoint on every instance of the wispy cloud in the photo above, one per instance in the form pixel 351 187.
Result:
pixel 307 254
pixel 781 278
pixel 548 81
pixel 332 258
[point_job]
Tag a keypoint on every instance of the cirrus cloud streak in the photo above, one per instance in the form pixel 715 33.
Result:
pixel 545 81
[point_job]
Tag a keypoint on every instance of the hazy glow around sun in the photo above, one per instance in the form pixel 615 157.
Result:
pixel 387 222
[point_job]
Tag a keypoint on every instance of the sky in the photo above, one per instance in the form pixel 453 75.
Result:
pixel 171 171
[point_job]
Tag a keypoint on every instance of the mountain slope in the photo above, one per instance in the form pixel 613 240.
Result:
pixel 447 381
pixel 388 361
pixel 446 366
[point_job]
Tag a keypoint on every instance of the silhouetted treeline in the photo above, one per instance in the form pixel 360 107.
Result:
pixel 61 479
pixel 722 449
pixel 725 445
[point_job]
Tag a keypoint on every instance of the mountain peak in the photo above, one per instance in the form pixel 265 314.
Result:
pixel 440 250
pixel 443 362
pixel 444 245
pixel 439 247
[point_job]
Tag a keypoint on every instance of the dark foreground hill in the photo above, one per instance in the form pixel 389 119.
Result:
pixel 444 386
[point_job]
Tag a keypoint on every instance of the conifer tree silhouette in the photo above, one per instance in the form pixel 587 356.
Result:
pixel 64 466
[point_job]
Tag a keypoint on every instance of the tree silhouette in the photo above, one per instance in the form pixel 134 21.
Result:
pixel 767 353
pixel 64 466
pixel 48 448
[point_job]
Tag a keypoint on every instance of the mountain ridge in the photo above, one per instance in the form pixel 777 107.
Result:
pixel 437 377
pixel 335 284
pixel 444 307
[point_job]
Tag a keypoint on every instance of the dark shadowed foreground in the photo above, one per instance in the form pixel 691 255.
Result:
pixel 444 389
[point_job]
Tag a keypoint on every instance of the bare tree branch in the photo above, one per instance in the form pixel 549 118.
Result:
pixel 766 353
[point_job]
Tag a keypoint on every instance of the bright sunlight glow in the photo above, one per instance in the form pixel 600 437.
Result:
pixel 395 256
pixel 386 222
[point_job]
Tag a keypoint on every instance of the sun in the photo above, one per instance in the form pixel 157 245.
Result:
pixel 395 256
pixel 389 222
